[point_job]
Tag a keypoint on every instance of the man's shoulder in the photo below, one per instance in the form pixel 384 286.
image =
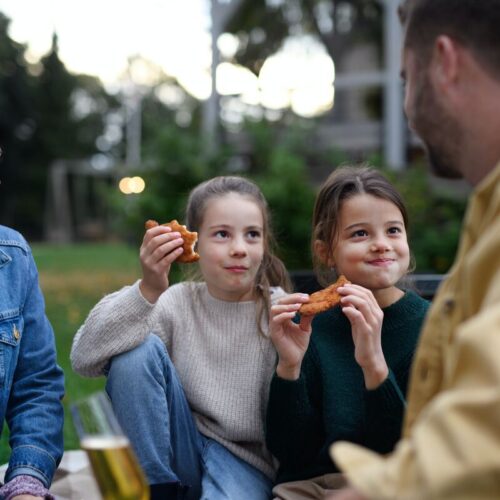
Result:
pixel 11 238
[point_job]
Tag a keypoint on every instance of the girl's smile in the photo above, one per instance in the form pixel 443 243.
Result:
pixel 381 262
pixel 236 269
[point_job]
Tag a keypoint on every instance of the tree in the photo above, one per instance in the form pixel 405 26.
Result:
pixel 263 25
pixel 17 120
pixel 46 113
pixel 342 27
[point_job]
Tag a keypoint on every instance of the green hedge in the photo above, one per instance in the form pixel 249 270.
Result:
pixel 282 161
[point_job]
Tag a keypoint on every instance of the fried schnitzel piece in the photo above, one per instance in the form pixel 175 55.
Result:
pixel 190 238
pixel 323 299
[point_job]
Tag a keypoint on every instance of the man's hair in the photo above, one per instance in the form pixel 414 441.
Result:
pixel 475 24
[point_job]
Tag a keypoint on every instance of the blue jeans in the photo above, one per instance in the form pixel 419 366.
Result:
pixel 153 411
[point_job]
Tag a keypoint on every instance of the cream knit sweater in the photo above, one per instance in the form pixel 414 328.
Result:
pixel 224 363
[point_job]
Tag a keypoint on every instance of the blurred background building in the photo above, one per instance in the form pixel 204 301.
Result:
pixel 355 86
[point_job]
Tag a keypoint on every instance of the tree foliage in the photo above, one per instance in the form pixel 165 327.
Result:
pixel 261 26
pixel 46 113
pixel 17 120
pixel 177 162
pixel 282 164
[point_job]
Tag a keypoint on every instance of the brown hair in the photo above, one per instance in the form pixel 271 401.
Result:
pixel 342 184
pixel 272 271
pixel 475 24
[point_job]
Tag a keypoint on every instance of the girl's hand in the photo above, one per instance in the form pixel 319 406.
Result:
pixel 365 315
pixel 290 339
pixel 160 247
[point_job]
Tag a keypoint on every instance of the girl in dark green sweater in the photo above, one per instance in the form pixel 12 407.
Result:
pixel 347 380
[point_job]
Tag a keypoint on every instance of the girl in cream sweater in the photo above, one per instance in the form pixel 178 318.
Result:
pixel 188 366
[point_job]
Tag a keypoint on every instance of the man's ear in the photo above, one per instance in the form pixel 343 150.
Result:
pixel 445 62
pixel 321 251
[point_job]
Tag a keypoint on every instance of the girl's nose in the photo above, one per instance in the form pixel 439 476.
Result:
pixel 238 247
pixel 380 245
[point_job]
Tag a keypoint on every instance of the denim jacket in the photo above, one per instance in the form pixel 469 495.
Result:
pixel 31 382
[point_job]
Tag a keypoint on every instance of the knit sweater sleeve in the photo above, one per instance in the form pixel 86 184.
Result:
pixel 385 408
pixel 118 323
pixel 386 405
pixel 293 420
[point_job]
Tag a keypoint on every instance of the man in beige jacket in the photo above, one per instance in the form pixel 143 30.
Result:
pixel 450 447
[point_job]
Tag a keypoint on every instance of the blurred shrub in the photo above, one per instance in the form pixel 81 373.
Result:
pixel 282 161
pixel 174 164
pixel 290 196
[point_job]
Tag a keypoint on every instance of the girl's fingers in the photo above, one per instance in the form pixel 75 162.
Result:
pixel 278 308
pixel 292 298
pixel 161 239
pixel 282 317
pixel 159 235
pixel 157 248
pixel 360 298
pixel 366 307
pixel 154 232
pixel 305 323
pixel 166 249
pixel 357 291
pixel 353 315
pixel 164 263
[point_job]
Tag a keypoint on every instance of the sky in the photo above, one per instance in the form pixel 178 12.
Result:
pixel 97 37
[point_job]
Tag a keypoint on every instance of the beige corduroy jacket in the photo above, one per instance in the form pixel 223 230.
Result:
pixel 451 440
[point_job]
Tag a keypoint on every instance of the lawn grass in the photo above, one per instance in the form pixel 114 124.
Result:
pixel 73 279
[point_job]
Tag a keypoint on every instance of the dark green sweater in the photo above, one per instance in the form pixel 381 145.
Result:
pixel 329 401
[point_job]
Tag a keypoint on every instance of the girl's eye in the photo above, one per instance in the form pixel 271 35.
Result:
pixel 254 234
pixel 221 234
pixel 360 233
pixel 394 230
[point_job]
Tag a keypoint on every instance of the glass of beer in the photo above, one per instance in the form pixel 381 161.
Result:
pixel 113 462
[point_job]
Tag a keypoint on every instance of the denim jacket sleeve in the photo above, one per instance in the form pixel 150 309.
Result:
pixel 31 382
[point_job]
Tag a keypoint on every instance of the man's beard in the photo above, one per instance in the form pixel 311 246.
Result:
pixel 440 164
pixel 438 130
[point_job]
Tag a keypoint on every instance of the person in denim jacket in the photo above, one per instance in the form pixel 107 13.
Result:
pixel 31 382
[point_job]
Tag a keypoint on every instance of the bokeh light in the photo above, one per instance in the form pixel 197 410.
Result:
pixel 131 185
